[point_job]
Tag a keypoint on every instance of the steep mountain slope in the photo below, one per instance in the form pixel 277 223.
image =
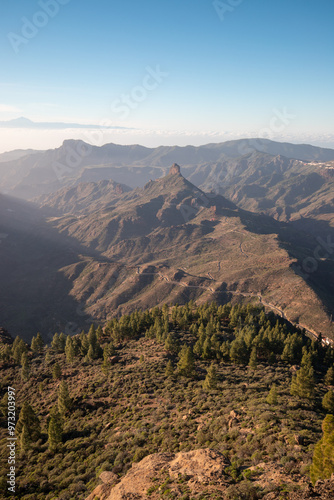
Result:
pixel 34 295
pixel 172 242
pixel 170 403
pixel 283 188
pixel 84 197
pixel 168 242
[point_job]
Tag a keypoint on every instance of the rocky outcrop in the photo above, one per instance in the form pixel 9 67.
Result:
pixel 174 169
pixel 102 492
pixel 198 467
pixel 204 470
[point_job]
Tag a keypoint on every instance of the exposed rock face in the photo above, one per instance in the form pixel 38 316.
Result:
pixel 175 169
pixel 199 466
pixel 102 492
pixel 139 479
pixel 108 477
pixel 202 470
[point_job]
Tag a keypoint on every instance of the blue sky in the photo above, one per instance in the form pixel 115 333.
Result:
pixel 223 74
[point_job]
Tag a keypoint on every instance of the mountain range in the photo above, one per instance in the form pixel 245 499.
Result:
pixel 94 250
pixel 286 181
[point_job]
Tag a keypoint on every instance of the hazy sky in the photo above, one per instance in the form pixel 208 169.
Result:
pixel 186 71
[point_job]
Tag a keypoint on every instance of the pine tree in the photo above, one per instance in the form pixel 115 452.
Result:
pixel 25 367
pixel 262 318
pixel 94 350
pixel 201 331
pixel 64 399
pixel 55 429
pixel 19 347
pixel 253 359
pixel 323 457
pixel 33 345
pixel 307 358
pixel 62 342
pixel 207 353
pixel 329 377
pixel 215 346
pixel 198 348
pixel 55 344
pixel 186 364
pixel 238 351
pixel 211 380
pixel 302 384
pixel 328 403
pixel 30 421
pixel 171 344
pixel 272 396
pixel 56 371
pixel 108 351
pixel 169 372
pixel 25 441
pixel 40 341
pixel 99 333
pixel 37 343
pixel 69 350
pixel 47 358
pixel 90 354
pixel 158 329
pixel 84 344
pixel 166 326
pixel 292 348
pixel 225 350
pixel 92 338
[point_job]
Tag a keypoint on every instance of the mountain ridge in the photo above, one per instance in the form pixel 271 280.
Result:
pixel 64 165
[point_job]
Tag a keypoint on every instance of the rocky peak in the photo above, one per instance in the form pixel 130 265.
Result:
pixel 175 169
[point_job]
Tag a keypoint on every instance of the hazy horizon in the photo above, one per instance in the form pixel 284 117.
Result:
pixel 38 139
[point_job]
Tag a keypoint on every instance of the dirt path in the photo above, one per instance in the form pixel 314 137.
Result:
pixel 257 295
pixel 242 251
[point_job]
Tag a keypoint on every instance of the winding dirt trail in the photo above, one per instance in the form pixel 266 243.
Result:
pixel 257 295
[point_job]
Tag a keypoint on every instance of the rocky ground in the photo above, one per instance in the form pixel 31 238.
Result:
pixel 202 474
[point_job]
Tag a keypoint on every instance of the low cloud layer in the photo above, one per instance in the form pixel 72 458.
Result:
pixel 52 137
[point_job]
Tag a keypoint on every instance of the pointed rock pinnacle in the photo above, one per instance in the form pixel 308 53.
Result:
pixel 175 169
